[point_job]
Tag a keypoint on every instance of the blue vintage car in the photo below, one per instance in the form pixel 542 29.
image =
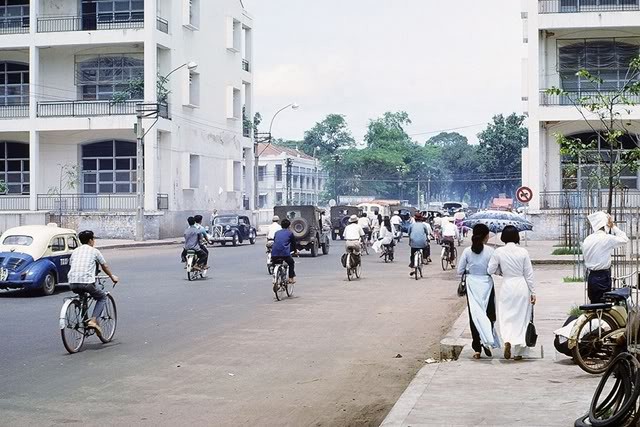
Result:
pixel 36 257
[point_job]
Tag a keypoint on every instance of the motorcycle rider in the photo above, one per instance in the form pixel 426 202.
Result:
pixel 192 236
pixel 204 235
pixel 284 243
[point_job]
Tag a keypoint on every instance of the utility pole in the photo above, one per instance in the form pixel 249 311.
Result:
pixel 429 190
pixel 336 158
pixel 419 195
pixel 289 166
pixel 139 176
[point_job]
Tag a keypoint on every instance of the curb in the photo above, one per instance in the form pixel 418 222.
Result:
pixel 138 245
pixel 552 262
pixel 452 344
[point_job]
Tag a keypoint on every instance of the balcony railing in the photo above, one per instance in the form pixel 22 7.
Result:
pixel 52 24
pixel 11 202
pixel 14 25
pixel 86 108
pixel 87 202
pixel 14 111
pixel 162 25
pixel 577 6
pixel 245 65
pixel 572 98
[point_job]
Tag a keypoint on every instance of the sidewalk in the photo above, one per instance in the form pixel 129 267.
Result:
pixel 546 389
pixel 106 244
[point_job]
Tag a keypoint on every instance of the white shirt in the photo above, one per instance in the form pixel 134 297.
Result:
pixel 512 261
pixel 271 234
pixel 597 248
pixel 437 221
pixel 396 220
pixel 84 262
pixel 449 230
pixel 364 222
pixel 353 232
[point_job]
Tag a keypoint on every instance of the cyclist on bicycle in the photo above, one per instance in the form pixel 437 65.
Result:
pixel 84 263
pixel 419 233
pixel 449 236
pixel 284 244
pixel 365 223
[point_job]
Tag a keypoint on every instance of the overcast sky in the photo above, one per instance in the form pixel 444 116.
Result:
pixel 449 64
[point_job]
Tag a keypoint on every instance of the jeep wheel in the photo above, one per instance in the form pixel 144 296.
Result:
pixel 314 249
pixel 48 284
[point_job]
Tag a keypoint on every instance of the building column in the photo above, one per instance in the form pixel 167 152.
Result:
pixel 151 153
pixel 249 177
pixel 34 168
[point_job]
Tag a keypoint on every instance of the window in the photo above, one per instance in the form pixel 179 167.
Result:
pixel 72 243
pixel 57 244
pixel 101 77
pixel 109 167
pixel 234 35
pixel 194 171
pixel 191 14
pixel 262 172
pixel 110 11
pixel 14 83
pixel 14 14
pixel 18 240
pixel 194 88
pixel 278 198
pixel 279 173
pixel 262 201
pixel 14 167
pixel 607 59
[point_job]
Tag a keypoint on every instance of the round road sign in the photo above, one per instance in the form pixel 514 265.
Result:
pixel 524 194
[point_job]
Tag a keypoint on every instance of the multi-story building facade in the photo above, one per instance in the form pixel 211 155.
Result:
pixel 73 74
pixel 561 37
pixel 288 176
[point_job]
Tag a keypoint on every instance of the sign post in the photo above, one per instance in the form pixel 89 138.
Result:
pixel 524 196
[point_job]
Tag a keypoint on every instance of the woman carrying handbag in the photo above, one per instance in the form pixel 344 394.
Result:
pixel 480 292
pixel 517 294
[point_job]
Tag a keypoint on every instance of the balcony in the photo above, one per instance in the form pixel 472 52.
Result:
pixel 571 98
pixel 245 65
pixel 12 202
pixel 115 21
pixel 73 203
pixel 579 6
pixel 94 108
pixel 14 111
pixel 162 25
pixel 14 25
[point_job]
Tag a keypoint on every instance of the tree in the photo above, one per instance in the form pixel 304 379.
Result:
pixel 610 108
pixel 388 131
pixel 328 136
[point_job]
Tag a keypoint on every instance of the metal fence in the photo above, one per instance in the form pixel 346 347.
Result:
pixel 14 203
pixel 14 25
pixel 596 199
pixel 573 98
pixel 162 25
pixel 52 24
pixel 66 203
pixel 576 6
pixel 86 108
pixel 14 111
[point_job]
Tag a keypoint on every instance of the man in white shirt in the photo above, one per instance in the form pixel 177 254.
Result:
pixel 396 223
pixel 365 224
pixel 273 228
pixel 353 235
pixel 597 249
pixel 449 236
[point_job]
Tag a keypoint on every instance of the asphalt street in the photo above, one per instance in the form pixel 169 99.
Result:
pixel 222 351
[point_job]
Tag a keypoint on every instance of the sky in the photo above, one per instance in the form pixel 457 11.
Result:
pixel 449 64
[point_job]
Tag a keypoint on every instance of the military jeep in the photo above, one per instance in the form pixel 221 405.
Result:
pixel 340 219
pixel 306 225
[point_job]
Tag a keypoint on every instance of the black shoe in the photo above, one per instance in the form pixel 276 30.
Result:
pixel 487 351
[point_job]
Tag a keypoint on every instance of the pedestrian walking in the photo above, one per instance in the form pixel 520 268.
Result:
pixel 517 294
pixel 597 249
pixel 481 296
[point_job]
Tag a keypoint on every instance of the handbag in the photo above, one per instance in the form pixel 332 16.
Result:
pixel 531 337
pixel 462 286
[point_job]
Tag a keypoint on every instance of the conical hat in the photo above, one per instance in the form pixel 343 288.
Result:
pixel 598 220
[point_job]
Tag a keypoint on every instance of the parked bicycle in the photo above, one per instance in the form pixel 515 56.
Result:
pixel 74 317
pixel 281 284
pixel 448 257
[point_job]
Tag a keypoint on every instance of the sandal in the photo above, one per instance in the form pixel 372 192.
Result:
pixel 476 355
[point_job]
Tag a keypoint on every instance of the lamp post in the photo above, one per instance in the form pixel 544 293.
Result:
pixel 143 111
pixel 262 137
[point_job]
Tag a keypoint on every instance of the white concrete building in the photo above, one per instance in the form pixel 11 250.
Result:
pixel 72 73
pixel 306 180
pixel 561 37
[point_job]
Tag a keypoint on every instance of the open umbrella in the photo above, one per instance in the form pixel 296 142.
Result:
pixel 498 220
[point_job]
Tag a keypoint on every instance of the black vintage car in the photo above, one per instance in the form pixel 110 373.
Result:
pixel 232 229
pixel 340 219
pixel 306 225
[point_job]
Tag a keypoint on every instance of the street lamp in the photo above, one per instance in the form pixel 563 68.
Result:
pixel 143 111
pixel 262 137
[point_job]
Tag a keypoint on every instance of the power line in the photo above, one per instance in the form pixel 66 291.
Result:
pixel 448 130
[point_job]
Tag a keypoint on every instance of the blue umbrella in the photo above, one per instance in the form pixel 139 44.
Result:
pixel 498 220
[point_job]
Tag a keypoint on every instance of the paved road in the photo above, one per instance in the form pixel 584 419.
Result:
pixel 222 351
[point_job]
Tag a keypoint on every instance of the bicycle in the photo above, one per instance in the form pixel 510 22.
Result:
pixel 447 258
pixel 193 270
pixel 387 253
pixel 281 285
pixel 417 264
pixel 74 317
pixel 353 264
pixel 364 246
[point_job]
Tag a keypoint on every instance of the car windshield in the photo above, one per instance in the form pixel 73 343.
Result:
pixel 225 220
pixel 18 240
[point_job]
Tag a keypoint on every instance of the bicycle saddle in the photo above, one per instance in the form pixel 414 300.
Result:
pixel 277 262
pixel 619 294
pixel 593 307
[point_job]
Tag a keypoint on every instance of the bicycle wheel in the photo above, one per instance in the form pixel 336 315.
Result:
pixel 619 406
pixel 289 288
pixel 366 248
pixel 282 284
pixel 444 260
pixel 453 258
pixel 73 331
pixel 594 350
pixel 358 270
pixel 108 320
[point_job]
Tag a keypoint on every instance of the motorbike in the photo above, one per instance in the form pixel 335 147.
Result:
pixel 193 271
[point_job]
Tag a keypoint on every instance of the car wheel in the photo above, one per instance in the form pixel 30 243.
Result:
pixel 48 284
pixel 252 238
pixel 235 240
pixel 223 243
pixel 314 249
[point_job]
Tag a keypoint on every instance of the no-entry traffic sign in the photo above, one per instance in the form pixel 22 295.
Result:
pixel 524 194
